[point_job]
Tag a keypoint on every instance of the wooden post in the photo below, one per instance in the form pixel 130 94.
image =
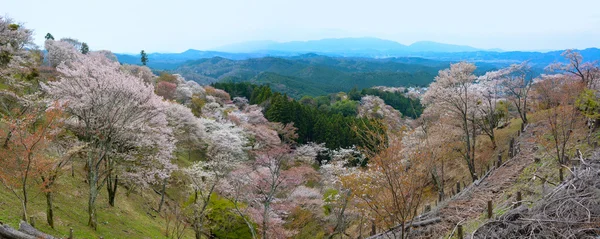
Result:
pixel 457 187
pixel 71 233
pixel 373 228
pixel 511 148
pixel 519 198
pixel 560 174
pixel 499 162
pixel 490 212
pixel 31 221
pixel 460 232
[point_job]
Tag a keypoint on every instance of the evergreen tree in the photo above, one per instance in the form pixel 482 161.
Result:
pixel 354 94
pixel 85 48
pixel 49 36
pixel 144 57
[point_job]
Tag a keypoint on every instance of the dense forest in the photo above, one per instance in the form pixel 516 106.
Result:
pixel 330 119
pixel 307 147
pixel 309 75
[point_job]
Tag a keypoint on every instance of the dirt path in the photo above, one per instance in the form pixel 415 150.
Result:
pixel 473 202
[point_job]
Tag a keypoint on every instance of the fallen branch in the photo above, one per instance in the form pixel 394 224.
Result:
pixel 544 179
pixel 7 232
pixel 28 229
pixel 425 222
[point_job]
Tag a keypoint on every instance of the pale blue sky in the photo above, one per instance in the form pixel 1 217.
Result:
pixel 177 25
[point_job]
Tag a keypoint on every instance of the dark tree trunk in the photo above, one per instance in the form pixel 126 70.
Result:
pixel 111 187
pixel 49 209
pixel 162 195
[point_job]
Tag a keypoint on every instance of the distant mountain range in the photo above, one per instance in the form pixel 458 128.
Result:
pixel 344 47
pixel 358 48
pixel 334 65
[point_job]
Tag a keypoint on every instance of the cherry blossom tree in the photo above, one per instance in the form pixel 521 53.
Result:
pixel 437 137
pixel 488 96
pixel 264 185
pixel 587 72
pixel 225 146
pixel 186 90
pixel 452 92
pixel 220 95
pixel 119 116
pixel 374 107
pixel 142 72
pixel 310 151
pixel 204 177
pixel 516 82
pixel 166 90
pixel 254 122
pixel 14 39
pixel 60 52
pixel 73 42
pixel 338 200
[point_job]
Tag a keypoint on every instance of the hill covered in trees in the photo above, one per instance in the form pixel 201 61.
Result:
pixel 113 150
pixel 310 74
pixel 313 74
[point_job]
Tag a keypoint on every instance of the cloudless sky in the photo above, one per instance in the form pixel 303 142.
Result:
pixel 178 25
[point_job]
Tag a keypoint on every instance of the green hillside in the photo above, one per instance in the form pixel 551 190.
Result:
pixel 312 74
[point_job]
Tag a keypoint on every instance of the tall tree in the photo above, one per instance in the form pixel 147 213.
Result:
pixel 60 52
pixel 488 94
pixel 14 39
pixel 587 72
pixel 144 57
pixel 392 187
pixel 60 153
pixel 452 92
pixel 225 144
pixel 557 95
pixel 119 117
pixel 74 42
pixel 516 83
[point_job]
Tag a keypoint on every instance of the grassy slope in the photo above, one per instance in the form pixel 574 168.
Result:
pixel 132 217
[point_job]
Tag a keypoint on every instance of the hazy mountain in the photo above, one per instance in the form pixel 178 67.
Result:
pixel 429 46
pixel 331 45
pixel 419 53
pixel 169 61
pixel 345 46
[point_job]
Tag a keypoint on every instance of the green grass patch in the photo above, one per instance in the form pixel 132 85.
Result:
pixel 132 217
